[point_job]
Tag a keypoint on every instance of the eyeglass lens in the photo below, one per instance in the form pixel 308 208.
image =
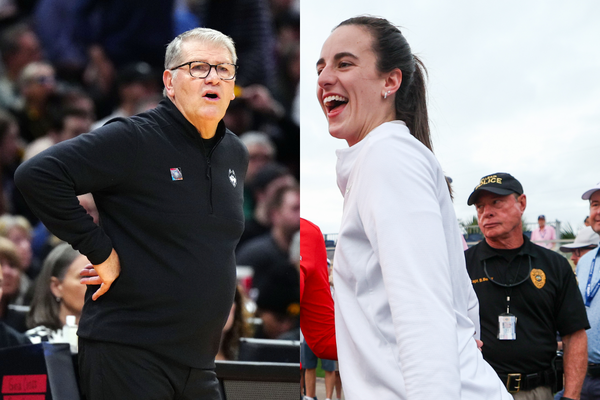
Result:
pixel 202 70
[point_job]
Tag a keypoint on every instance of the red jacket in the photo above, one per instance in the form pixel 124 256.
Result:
pixel 316 304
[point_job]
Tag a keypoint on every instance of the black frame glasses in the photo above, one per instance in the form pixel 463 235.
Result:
pixel 210 67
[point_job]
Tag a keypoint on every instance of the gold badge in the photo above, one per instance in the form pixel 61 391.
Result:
pixel 293 309
pixel 538 278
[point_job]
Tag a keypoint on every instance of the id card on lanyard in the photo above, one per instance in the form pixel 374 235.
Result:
pixel 590 292
pixel 507 327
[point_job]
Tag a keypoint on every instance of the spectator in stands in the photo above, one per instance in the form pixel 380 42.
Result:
pixel 114 34
pixel 9 336
pixel 585 241
pixel 37 83
pixel 288 85
pixel 75 97
pixel 68 117
pixel 586 221
pixel 54 22
pixel 68 124
pixel 126 32
pixel 269 116
pixel 269 252
pixel 265 184
pixel 58 293
pixel 18 230
pixel 19 46
pixel 544 235
pixel 13 297
pixel 261 151
pixel 236 327
pixel 10 158
pixel 135 82
pixel 278 305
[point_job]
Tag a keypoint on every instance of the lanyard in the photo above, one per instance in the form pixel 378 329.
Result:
pixel 589 292
pixel 508 286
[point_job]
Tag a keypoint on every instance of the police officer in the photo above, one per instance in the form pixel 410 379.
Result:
pixel 526 294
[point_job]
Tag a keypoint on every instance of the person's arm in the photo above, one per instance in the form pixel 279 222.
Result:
pixel 400 210
pixel 317 319
pixel 51 181
pixel 575 362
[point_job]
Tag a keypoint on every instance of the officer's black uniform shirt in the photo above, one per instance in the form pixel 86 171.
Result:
pixel 548 300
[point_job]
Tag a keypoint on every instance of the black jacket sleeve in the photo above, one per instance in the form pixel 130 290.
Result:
pixel 93 162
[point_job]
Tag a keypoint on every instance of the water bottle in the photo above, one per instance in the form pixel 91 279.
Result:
pixel 70 333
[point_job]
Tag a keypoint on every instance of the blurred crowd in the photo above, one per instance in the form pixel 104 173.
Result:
pixel 69 66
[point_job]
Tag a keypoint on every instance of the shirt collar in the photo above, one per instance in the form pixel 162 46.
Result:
pixel 488 251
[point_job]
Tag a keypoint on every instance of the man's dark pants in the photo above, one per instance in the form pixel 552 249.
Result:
pixel 111 371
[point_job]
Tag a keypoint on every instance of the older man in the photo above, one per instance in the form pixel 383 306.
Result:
pixel 589 282
pixel 585 241
pixel 168 184
pixel 526 294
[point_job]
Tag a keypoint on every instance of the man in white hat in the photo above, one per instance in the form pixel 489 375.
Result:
pixel 589 282
pixel 585 241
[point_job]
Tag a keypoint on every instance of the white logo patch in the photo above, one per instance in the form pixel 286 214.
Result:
pixel 232 178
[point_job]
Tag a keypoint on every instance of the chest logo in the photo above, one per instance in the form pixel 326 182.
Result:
pixel 176 174
pixel 232 178
pixel 538 277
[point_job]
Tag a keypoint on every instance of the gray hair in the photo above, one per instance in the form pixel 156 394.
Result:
pixel 251 138
pixel 31 70
pixel 204 35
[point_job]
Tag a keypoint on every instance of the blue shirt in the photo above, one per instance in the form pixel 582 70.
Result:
pixel 593 312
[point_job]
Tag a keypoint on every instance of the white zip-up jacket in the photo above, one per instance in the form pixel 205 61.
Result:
pixel 402 289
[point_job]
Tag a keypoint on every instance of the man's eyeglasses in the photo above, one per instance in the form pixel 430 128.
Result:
pixel 201 69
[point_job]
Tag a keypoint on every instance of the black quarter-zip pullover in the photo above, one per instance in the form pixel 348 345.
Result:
pixel 173 213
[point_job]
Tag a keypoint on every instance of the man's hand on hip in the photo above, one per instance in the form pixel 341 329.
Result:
pixel 103 274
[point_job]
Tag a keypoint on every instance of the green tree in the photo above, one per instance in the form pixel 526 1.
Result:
pixel 470 226
pixel 566 231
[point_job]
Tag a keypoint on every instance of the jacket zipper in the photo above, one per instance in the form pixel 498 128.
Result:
pixel 209 174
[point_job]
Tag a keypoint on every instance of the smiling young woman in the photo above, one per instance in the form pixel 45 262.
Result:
pixel 401 287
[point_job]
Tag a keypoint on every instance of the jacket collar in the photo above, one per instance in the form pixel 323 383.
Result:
pixel 171 110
